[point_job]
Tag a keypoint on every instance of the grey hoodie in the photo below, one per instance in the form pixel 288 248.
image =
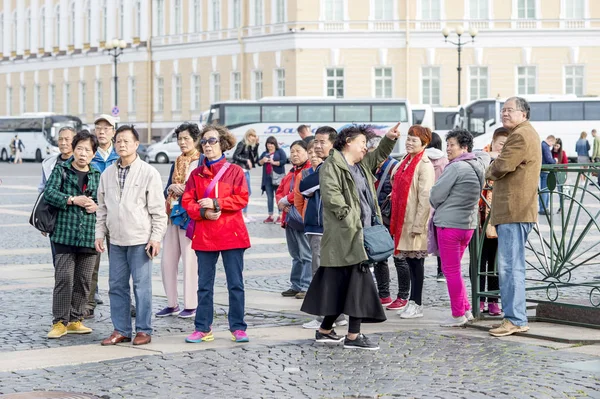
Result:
pixel 455 196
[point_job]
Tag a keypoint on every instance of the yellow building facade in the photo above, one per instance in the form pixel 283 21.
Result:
pixel 183 55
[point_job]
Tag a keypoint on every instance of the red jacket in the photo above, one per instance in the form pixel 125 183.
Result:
pixel 285 189
pixel 229 231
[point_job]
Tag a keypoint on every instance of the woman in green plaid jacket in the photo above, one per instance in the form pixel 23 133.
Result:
pixel 73 235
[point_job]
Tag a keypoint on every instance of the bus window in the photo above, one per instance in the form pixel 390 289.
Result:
pixel 241 114
pixel 315 113
pixel 567 111
pixel 279 113
pixel 539 111
pixel 389 113
pixel 444 120
pixel 418 116
pixel 592 111
pixel 213 115
pixel 352 113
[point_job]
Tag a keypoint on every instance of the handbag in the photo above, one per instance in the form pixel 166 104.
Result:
pixel 179 216
pixel 43 215
pixel 293 217
pixel 276 178
pixel 386 205
pixel 377 239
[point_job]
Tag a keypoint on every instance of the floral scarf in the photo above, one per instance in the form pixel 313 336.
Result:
pixel 401 188
pixel 180 172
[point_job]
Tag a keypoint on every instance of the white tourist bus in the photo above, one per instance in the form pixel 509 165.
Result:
pixel 280 117
pixel 37 131
pixel 565 117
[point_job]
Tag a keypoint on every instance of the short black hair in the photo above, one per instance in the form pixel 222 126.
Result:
pixel 83 136
pixel 272 140
pixel 130 128
pixel 192 128
pixel 349 133
pixel 436 141
pixel 301 143
pixel 302 127
pixel 329 131
pixel 463 138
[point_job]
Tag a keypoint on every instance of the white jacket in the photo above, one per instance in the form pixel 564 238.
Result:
pixel 137 214
pixel 47 167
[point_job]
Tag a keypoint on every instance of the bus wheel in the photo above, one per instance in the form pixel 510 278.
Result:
pixel 162 158
pixel 38 156
pixel 4 156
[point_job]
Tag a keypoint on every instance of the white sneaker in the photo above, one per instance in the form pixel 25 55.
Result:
pixel 341 323
pixel 469 315
pixel 312 325
pixel 413 311
pixel 454 322
pixel 247 219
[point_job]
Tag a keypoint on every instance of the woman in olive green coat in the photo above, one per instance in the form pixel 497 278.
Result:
pixel 343 283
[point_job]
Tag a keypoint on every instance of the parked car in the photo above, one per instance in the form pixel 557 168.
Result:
pixel 142 151
pixel 164 151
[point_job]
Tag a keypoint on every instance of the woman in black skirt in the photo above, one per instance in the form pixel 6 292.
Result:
pixel 343 282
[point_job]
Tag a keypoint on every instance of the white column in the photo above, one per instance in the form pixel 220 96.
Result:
pixel 20 26
pixel 111 32
pixel 78 35
pixel 35 24
pixel 64 24
pixel 128 21
pixel 144 27
pixel 49 37
pixel 95 23
pixel 7 28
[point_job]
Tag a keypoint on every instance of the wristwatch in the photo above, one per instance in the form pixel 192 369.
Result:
pixel 70 201
pixel 216 205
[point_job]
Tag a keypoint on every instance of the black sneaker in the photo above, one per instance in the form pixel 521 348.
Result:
pixel 361 342
pixel 331 337
pixel 289 293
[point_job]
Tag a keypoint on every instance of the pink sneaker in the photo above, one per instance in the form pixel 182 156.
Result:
pixel 481 306
pixel 398 304
pixel 269 220
pixel 385 301
pixel 494 309
pixel 198 336
pixel 278 220
pixel 239 336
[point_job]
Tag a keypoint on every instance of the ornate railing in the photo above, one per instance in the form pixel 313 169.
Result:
pixel 563 249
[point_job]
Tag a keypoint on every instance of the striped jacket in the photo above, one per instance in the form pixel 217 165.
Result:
pixel 74 226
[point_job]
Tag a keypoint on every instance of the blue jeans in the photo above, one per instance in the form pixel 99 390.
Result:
pixel 511 270
pixel 270 190
pixel 233 261
pixel 299 249
pixel 247 173
pixel 544 193
pixel 126 261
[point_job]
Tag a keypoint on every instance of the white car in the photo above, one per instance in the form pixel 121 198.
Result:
pixel 165 151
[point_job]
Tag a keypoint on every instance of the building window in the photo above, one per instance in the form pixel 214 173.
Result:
pixel 104 27
pixel 1 33
pixel 9 97
pixel 431 85
pixel 28 30
pixel 132 95
pixel 334 10
pixel 335 82
pixel 67 98
pixel 160 17
pixel 82 97
pixel 160 95
pixel 37 98
pixel 384 10
pixel 236 86
pixel 257 85
pixel 237 13
pixel 23 99
pixel 526 77
pixel 216 14
pixel 479 9
pixel 57 26
pixel 280 82
pixel 259 12
pixel 431 10
pixel 99 107
pixel 121 19
pixel 478 83
pixel 88 22
pixel 574 80
pixel 575 9
pixel 383 82
pixel 196 92
pixel 177 93
pixel 197 16
pixel 177 18
pixel 72 25
pixel 215 87
pixel 526 9
pixel 138 19
pixel 42 32
pixel 51 97
pixel 279 11
pixel 15 29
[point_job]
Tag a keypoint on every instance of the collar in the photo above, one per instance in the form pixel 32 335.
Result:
pixel 128 166
pixel 209 163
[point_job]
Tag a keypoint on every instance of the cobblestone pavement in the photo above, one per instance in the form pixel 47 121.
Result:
pixel 417 364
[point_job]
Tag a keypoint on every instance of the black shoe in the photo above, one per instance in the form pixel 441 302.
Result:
pixel 88 314
pixel 289 293
pixel 361 342
pixel 98 299
pixel 331 337
pixel 132 310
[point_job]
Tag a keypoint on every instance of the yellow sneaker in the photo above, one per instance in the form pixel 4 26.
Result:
pixel 58 330
pixel 77 327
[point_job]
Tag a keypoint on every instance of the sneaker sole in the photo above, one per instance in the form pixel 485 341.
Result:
pixel 360 347
pixel 80 332
pixel 197 341
pixel 240 340
pixel 187 317
pixel 401 308
pixel 411 317
pixel 328 341
pixel 311 327
pixel 505 334
pixel 167 315
pixel 454 325
pixel 59 336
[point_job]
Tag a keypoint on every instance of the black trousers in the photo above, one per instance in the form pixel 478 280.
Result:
pixel 353 323
pixel 487 265
pixel 417 276
pixel 382 276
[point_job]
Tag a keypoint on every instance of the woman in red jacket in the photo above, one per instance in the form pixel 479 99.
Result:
pixel 215 194
pixel 561 158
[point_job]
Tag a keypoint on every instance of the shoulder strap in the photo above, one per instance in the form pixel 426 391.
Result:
pixel 382 180
pixel 481 184
pixel 214 181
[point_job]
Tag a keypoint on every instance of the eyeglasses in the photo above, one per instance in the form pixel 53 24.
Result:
pixel 103 128
pixel 211 141
pixel 507 110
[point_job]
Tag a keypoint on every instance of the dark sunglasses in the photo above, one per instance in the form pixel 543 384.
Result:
pixel 211 141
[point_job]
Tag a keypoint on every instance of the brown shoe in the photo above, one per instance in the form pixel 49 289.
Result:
pixel 115 338
pixel 300 295
pixel 507 328
pixel 142 339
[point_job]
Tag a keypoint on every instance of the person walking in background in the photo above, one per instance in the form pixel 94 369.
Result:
pixel 560 156
pixel 214 197
pixel 547 159
pixel 305 133
pixel 487 264
pixel 297 242
pixel 455 199
pixel 75 199
pixel 515 173
pixel 246 157
pixel 596 147
pixel 19 148
pixel 439 160
pixel 65 148
pixel 273 161
pixel 343 283
pixel 410 214
pixel 131 209
pixel 582 147
pixel 176 245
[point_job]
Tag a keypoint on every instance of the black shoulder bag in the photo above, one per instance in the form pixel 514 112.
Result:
pixel 43 215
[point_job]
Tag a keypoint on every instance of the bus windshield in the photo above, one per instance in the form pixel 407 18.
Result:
pixel 53 124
